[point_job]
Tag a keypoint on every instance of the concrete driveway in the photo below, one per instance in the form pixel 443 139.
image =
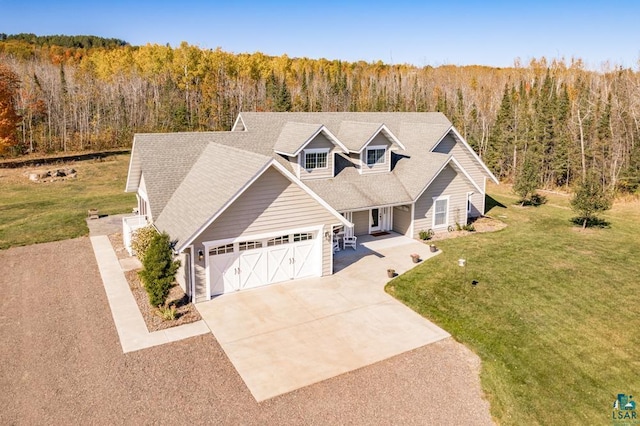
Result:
pixel 286 336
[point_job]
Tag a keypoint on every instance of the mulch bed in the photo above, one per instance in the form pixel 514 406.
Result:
pixel 186 312
pixel 481 224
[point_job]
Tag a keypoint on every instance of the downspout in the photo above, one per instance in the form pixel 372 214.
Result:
pixel 411 225
pixel 192 278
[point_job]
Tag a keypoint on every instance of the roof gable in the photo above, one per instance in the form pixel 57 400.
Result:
pixel 356 135
pixel 457 167
pixel 294 136
pixel 189 206
pixel 458 137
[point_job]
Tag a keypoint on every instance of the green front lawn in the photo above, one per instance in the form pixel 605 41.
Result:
pixel 555 317
pixel 41 212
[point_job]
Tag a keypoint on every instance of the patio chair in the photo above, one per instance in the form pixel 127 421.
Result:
pixel 336 246
pixel 349 242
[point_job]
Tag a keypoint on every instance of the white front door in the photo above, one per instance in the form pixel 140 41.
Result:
pixel 380 219
pixel 375 220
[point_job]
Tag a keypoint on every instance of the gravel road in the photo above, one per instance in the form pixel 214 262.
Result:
pixel 61 362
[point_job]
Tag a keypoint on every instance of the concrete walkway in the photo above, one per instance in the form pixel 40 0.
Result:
pixel 128 320
pixel 286 336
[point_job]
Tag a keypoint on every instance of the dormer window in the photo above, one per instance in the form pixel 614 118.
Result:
pixel 315 158
pixel 376 155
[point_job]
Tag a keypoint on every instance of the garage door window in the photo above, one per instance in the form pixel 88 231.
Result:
pixel 302 237
pixel 227 248
pixel 249 245
pixel 278 241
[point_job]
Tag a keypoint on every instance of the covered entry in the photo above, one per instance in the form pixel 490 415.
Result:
pixel 254 262
pixel 371 221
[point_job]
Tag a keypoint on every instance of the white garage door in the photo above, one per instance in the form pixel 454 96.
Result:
pixel 249 264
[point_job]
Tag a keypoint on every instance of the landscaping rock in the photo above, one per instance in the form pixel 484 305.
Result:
pixel 52 175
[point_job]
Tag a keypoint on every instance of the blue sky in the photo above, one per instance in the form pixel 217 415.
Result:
pixel 465 32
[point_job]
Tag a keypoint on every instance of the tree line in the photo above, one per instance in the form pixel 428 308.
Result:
pixel 556 119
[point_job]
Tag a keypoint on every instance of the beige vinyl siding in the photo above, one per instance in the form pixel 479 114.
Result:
pixel 402 219
pixel 379 140
pixel 271 204
pixel 448 183
pixel 327 252
pixel 361 222
pixel 182 275
pixel 201 280
pixel 319 142
pixel 448 145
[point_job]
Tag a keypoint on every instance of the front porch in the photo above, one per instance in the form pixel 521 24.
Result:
pixel 382 246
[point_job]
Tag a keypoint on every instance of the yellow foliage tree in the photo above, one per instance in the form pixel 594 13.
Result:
pixel 9 118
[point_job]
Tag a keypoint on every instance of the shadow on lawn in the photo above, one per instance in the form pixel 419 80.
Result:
pixel 491 202
pixel 592 222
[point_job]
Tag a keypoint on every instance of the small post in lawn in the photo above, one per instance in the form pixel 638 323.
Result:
pixel 463 264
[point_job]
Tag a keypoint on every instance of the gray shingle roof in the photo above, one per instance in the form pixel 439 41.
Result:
pixel 177 166
pixel 355 134
pixel 165 159
pixel 223 171
pixel 293 136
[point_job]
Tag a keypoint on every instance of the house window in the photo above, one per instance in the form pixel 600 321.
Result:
pixel 302 236
pixel 375 156
pixel 440 209
pixel 227 248
pixel 315 159
pixel 278 241
pixel 249 245
pixel 469 194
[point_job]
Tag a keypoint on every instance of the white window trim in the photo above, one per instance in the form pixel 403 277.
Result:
pixel 446 219
pixel 469 194
pixel 372 148
pixel 303 157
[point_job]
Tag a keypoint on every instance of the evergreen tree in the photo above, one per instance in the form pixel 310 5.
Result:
pixel 589 199
pixel 159 269
pixel 526 182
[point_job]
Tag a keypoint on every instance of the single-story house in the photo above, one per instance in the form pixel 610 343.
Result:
pixel 260 204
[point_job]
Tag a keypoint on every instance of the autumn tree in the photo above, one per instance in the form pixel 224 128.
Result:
pixel 9 118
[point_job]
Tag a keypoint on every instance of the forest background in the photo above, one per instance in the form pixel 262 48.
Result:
pixel 85 93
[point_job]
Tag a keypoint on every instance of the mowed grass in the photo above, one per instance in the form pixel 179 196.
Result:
pixel 555 317
pixel 40 212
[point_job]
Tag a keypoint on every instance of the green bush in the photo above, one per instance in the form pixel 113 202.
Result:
pixel 469 227
pixel 159 269
pixel 425 235
pixel 141 239
pixel 167 313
